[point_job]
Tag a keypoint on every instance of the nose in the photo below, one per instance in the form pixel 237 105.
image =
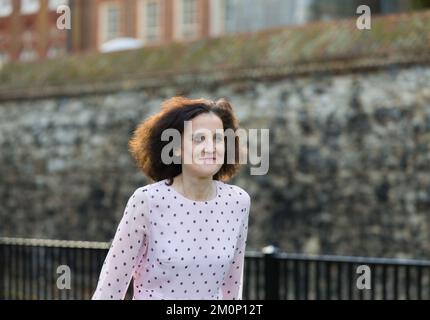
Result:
pixel 208 149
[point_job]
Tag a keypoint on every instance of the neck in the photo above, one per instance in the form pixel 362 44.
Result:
pixel 195 188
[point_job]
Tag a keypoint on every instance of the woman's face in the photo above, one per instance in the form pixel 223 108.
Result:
pixel 203 145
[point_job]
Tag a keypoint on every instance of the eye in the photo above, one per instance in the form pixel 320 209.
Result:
pixel 199 138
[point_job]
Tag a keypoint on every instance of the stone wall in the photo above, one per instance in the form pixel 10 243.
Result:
pixel 349 161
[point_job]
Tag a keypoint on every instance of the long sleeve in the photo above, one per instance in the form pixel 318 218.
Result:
pixel 233 280
pixel 130 241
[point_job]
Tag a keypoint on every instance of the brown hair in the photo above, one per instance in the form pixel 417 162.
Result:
pixel 146 145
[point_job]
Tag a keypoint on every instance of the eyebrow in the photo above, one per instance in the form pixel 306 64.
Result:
pixel 200 133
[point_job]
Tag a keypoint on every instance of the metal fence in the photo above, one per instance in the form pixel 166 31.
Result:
pixel 29 269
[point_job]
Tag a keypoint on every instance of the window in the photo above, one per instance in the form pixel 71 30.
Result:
pixel 151 16
pixel 54 4
pixel 189 11
pixel 5 8
pixel 111 22
pixel 29 6
pixel 189 18
pixel 152 19
pixel 229 15
pixel 28 54
pixel 55 51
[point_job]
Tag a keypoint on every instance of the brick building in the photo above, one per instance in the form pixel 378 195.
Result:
pixel 28 27
pixel 28 30
pixel 152 21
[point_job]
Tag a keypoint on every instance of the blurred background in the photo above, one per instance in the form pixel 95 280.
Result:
pixel 29 32
pixel 348 111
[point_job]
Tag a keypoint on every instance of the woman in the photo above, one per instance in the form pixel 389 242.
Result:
pixel 184 235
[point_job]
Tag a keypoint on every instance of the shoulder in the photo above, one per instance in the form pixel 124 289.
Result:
pixel 140 200
pixel 239 192
pixel 146 192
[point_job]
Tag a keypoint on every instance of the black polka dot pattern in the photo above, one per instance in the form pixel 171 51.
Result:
pixel 177 248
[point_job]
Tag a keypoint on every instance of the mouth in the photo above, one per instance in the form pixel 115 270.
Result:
pixel 210 160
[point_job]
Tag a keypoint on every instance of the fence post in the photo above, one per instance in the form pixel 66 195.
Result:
pixel 271 272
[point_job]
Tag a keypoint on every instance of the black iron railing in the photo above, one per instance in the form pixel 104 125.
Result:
pixel 31 268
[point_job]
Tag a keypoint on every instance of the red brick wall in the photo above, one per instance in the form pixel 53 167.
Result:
pixel 85 33
pixel 40 23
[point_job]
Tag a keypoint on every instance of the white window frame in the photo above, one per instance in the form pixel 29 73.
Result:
pixel 216 25
pixel 55 51
pixel 30 6
pixel 226 22
pixel 54 4
pixel 103 18
pixel 192 28
pixel 6 8
pixel 28 54
pixel 144 29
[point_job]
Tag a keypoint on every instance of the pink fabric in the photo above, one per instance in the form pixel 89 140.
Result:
pixel 178 248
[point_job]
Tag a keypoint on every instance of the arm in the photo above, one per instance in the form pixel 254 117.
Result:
pixel 233 280
pixel 128 244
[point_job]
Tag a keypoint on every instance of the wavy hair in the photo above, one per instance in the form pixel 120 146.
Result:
pixel 146 145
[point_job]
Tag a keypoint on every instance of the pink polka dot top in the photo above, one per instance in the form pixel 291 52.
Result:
pixel 178 248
